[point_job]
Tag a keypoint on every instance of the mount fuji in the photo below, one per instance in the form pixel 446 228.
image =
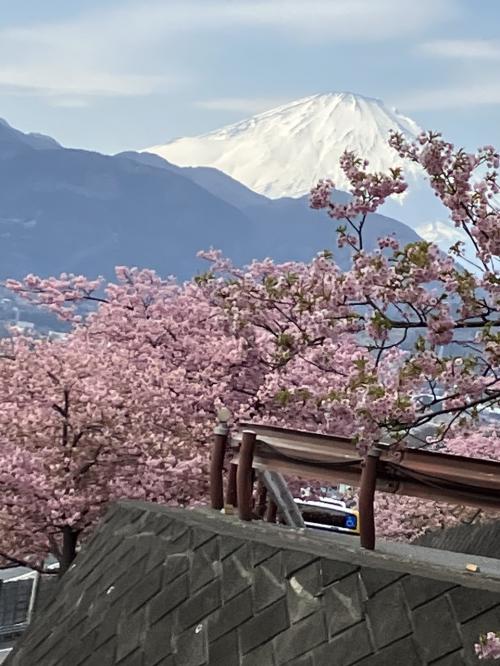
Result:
pixel 283 152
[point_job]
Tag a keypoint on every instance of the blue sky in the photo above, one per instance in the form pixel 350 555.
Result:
pixel 112 75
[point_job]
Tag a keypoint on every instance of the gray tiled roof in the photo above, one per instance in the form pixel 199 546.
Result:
pixel 479 539
pixel 159 586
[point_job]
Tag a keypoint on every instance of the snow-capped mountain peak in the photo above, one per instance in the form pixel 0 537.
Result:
pixel 286 150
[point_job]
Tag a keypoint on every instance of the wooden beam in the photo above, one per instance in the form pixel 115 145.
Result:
pixel 413 472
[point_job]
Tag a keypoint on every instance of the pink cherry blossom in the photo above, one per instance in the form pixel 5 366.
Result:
pixel 124 406
pixel 488 646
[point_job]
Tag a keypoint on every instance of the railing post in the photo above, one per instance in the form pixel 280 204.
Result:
pixel 366 498
pixel 231 496
pixel 244 475
pixel 217 465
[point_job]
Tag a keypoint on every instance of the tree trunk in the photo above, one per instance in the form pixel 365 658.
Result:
pixel 68 552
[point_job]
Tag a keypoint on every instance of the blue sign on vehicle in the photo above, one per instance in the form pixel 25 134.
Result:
pixel 350 522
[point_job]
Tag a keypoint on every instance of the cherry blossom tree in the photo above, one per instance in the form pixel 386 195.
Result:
pixel 405 339
pixel 75 435
pixel 121 408
pixel 395 310
pixel 406 342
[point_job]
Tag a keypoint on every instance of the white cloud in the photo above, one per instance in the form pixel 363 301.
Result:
pixel 69 102
pixel 66 80
pixel 475 87
pixel 337 20
pixel 90 56
pixel 467 94
pixel 242 104
pixel 465 49
pixel 130 49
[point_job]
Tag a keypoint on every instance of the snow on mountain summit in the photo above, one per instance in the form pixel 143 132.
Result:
pixel 286 150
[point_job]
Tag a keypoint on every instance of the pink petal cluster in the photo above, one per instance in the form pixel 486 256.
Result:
pixel 466 183
pixel 488 646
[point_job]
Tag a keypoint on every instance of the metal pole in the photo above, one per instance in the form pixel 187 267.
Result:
pixel 244 475
pixel 366 497
pixel 277 489
pixel 216 466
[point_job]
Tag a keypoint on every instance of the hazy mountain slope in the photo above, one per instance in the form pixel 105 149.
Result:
pixel 296 231
pixel 72 210
pixel 83 212
pixel 12 141
pixel 286 228
pixel 218 183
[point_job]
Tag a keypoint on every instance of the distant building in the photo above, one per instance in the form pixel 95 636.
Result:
pixel 22 591
pixel 56 335
pixel 23 326
pixel 18 588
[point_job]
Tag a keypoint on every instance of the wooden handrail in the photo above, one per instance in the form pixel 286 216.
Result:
pixel 413 472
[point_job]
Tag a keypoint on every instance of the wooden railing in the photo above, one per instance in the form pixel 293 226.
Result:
pixel 405 471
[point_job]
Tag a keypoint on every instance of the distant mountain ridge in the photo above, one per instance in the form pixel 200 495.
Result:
pixel 11 138
pixel 79 211
pixel 218 183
